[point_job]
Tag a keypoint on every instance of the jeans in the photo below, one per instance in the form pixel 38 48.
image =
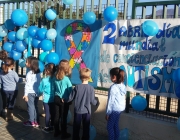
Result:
pixel 49 114
pixel 85 118
pixel 4 99
pixel 61 112
pixel 9 98
pixel 33 107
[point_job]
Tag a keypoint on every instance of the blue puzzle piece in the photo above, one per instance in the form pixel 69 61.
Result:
pixel 68 43
pixel 84 45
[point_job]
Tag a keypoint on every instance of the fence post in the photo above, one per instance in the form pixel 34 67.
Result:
pixel 127 101
pixel 134 8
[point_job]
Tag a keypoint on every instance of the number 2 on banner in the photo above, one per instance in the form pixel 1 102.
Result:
pixel 107 38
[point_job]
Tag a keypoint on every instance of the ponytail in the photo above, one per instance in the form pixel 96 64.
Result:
pixel 8 62
pixel 5 68
pixel 119 73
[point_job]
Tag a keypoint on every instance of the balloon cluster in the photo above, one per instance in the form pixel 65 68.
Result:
pixel 37 37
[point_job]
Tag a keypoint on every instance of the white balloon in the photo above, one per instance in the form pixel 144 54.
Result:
pixel 51 34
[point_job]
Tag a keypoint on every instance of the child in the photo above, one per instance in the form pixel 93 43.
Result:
pixel 116 102
pixel 46 88
pixel 9 78
pixel 3 57
pixel 63 88
pixel 31 90
pixel 83 94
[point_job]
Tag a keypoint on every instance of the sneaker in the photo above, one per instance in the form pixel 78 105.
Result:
pixel 28 123
pixel 46 130
pixel 65 136
pixel 36 124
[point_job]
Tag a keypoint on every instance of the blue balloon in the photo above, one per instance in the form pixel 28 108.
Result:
pixel 68 2
pixel 177 91
pixel 50 14
pixel 139 103
pixel 14 47
pixel 12 36
pixel 41 34
pixel 8 46
pixel 22 63
pixel 150 28
pixel 20 46
pixel 92 132
pixel 178 123
pixel 16 55
pixel 41 66
pixel 3 31
pixel 51 34
pixel 46 45
pixel 9 24
pixel 32 30
pixel 35 43
pixel 22 34
pixel 89 17
pixel 42 56
pixel 176 75
pixel 110 13
pixel 52 57
pixel 124 134
pixel 19 17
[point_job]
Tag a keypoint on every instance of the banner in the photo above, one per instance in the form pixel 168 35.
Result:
pixel 148 62
pixel 80 44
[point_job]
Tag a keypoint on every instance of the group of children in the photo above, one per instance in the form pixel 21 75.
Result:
pixel 58 93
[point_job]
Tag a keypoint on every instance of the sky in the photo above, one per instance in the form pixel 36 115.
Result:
pixel 139 10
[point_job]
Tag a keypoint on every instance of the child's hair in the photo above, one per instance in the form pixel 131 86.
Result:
pixel 28 60
pixel 8 63
pixel 64 69
pixel 85 74
pixel 3 55
pixel 119 73
pixel 34 65
pixel 50 68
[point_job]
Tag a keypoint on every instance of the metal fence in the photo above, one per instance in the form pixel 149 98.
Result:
pixel 158 107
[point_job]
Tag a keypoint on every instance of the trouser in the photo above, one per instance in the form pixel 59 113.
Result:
pixel 9 99
pixel 61 112
pixel 49 114
pixel 113 125
pixel 4 99
pixel 33 107
pixel 85 118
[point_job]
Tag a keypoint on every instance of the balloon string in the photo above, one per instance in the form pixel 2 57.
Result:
pixel 29 46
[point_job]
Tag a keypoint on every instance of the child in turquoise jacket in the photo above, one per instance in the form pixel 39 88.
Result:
pixel 46 89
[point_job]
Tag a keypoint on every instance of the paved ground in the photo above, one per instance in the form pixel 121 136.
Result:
pixel 14 130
